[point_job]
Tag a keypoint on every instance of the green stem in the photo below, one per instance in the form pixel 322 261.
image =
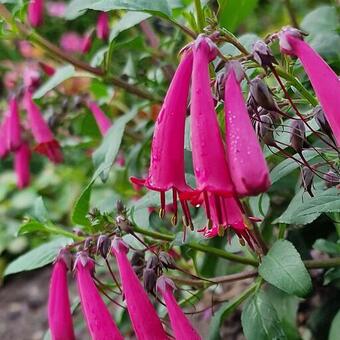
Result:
pixel 292 14
pixel 56 230
pixel 327 263
pixel 200 15
pixel 282 230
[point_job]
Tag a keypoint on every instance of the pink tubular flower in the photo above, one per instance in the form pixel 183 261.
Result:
pixel 103 122
pixel 181 326
pixel 3 138
pixel 87 42
pixel 324 80
pixel 13 135
pixel 47 145
pixel 103 28
pixel 71 42
pixel 56 9
pixel 247 166
pixel 47 69
pixel 99 321
pixel 22 159
pixel 167 154
pixel 36 12
pixel 59 310
pixel 145 321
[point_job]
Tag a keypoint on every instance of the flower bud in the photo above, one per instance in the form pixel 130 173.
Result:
pixel 331 179
pixel 124 224
pixel 307 177
pixel 167 260
pixel 152 262
pixel 298 135
pixel 261 94
pixel 138 258
pixel 149 280
pixel 103 245
pixel 262 54
pixel 320 119
pixel 264 128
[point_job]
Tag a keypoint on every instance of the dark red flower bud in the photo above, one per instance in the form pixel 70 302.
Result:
pixel 103 245
pixel 138 258
pixel 263 54
pixel 152 262
pixel 298 135
pixel 307 177
pixel 149 280
pixel 167 260
pixel 261 94
pixel 264 128
pixel 124 224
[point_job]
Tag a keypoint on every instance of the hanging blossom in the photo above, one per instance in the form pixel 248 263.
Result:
pixel 324 80
pixel 248 168
pixel 3 138
pixel 145 321
pixel 167 152
pixel 103 27
pixel 103 122
pixel 47 145
pixel 183 330
pixel 99 321
pixel 13 134
pixel 22 157
pixel 36 12
pixel 59 310
pixel 208 153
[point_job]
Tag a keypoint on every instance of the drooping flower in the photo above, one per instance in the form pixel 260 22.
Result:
pixel 145 321
pixel 102 120
pixel 13 135
pixel 87 42
pixel 99 321
pixel 167 154
pixel 3 132
pixel 36 12
pixel 248 168
pixel 59 310
pixel 22 157
pixel 71 42
pixel 103 28
pixel 183 330
pixel 31 77
pixel 42 134
pixel 47 69
pixel 324 80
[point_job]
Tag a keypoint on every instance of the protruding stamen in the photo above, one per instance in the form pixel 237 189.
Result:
pixel 162 209
pixel 242 242
pixel 218 209
pixel 210 224
pixel 161 213
pixel 220 231
pixel 174 219
pixel 207 205
pixel 174 202
pixel 184 228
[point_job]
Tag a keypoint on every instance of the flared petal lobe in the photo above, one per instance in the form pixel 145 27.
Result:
pixel 248 168
pixel 42 134
pixel 324 80
pixel 22 159
pixel 209 160
pixel 102 120
pixel 103 28
pixel 36 12
pixel 59 310
pixel 183 330
pixel 13 134
pixel 167 154
pixel 145 321
pixel 98 319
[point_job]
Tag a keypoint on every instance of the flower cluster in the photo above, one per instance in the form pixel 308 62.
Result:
pixel 100 323
pixel 225 171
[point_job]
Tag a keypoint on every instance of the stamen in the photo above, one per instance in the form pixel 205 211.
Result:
pixel 207 205
pixel 218 209
pixel 174 202
pixel 162 209
pixel 220 231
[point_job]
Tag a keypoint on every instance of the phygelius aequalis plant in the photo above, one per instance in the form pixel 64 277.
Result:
pixel 248 168
pixel 3 137
pixel 167 153
pixel 36 12
pixel 59 309
pixel 13 134
pixel 101 119
pixel 42 134
pixel 145 321
pixel 99 321
pixel 208 153
pixel 183 330
pixel 324 80
pixel 103 28
pixel 22 157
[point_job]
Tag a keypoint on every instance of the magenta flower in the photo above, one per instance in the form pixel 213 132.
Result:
pixel 13 135
pixel 22 157
pixel 59 310
pixel 36 12
pixel 99 321
pixel 56 9
pixel 103 122
pixel 181 326
pixel 103 28
pixel 145 321
pixel 71 42
pixel 167 154
pixel 47 69
pixel 42 134
pixel 248 168
pixel 324 80
pixel 3 138
pixel 87 42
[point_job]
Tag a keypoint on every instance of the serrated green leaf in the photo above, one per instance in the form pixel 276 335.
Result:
pixel 61 74
pixel 79 7
pixel 37 257
pixel 260 321
pixel 283 268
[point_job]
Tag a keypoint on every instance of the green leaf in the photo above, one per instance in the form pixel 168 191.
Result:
pixel 32 226
pixel 260 321
pixel 247 40
pixel 260 205
pixel 61 74
pixel 79 7
pixel 283 268
pixel 105 155
pixel 82 206
pixel 327 246
pixel 232 12
pixel 40 212
pixel 335 327
pixel 37 257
